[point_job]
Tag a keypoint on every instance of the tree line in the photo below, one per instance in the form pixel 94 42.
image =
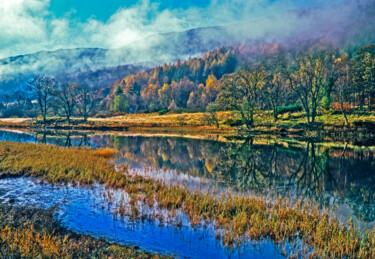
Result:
pixel 311 79
pixel 48 96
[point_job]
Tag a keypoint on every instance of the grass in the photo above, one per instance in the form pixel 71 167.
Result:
pixel 236 217
pixel 227 120
pixel 34 233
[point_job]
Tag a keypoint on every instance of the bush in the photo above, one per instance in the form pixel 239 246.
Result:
pixel 102 115
pixel 12 112
pixel 163 111
pixel 177 110
pixel 232 122
pixel 289 108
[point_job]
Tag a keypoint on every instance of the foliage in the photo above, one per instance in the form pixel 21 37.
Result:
pixel 290 108
pixel 186 83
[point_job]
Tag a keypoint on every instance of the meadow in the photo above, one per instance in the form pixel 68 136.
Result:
pixel 236 217
pixel 228 122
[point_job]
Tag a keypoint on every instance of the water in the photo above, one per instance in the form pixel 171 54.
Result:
pixel 336 175
pixel 81 210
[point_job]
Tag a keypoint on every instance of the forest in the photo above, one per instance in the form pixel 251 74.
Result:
pixel 227 79
pixel 241 78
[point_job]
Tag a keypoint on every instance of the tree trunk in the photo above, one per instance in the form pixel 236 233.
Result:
pixel 370 101
pixel 313 115
pixel 343 113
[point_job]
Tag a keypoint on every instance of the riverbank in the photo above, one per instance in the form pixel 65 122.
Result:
pixel 330 125
pixel 32 232
pixel 236 217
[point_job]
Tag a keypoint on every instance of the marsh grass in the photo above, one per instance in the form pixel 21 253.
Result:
pixel 236 217
pixel 34 233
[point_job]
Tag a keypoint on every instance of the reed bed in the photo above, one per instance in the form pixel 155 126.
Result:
pixel 27 242
pixel 34 233
pixel 236 217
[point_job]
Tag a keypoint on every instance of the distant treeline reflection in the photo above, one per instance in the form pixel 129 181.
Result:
pixel 329 175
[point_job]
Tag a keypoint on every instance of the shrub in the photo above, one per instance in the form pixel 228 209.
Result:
pixel 163 111
pixel 289 108
pixel 102 115
pixel 233 122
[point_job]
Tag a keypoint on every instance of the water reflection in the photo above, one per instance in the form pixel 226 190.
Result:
pixel 333 174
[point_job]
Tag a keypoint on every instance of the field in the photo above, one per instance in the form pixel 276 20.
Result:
pixel 227 120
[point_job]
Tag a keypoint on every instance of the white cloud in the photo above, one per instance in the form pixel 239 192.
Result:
pixel 27 25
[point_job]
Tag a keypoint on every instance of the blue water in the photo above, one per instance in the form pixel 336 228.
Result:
pixel 336 177
pixel 81 210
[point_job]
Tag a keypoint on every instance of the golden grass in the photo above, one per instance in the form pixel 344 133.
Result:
pixel 26 242
pixel 194 121
pixel 57 164
pixel 105 152
pixel 237 217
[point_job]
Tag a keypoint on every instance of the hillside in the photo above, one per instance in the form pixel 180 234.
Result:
pixel 331 26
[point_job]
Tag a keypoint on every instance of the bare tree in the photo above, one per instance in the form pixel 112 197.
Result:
pixel 87 99
pixel 6 99
pixel 42 87
pixel 66 94
pixel 275 87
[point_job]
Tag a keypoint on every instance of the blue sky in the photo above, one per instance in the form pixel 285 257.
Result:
pixel 103 10
pixel 32 25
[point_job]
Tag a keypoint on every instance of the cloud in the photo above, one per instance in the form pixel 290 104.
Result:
pixel 28 25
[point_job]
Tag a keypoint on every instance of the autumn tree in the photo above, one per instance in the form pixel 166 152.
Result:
pixel 343 87
pixel 311 76
pixel 369 78
pixel 242 91
pixel 42 88
pixel 211 90
pixel 120 101
pixel 359 64
pixel 210 117
pixel 165 96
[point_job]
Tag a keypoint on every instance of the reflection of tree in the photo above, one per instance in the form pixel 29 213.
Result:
pixel 85 140
pixel 41 136
pixel 313 176
pixel 242 166
pixel 326 174
pixel 360 190
pixel 313 172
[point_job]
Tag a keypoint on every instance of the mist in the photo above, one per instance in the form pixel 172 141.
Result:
pixel 146 36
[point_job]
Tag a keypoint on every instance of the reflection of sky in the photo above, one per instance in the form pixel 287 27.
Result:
pixel 80 210
pixel 345 186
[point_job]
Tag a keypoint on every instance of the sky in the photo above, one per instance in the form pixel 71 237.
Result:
pixel 28 26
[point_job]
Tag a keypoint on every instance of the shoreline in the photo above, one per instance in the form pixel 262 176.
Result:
pixel 358 132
